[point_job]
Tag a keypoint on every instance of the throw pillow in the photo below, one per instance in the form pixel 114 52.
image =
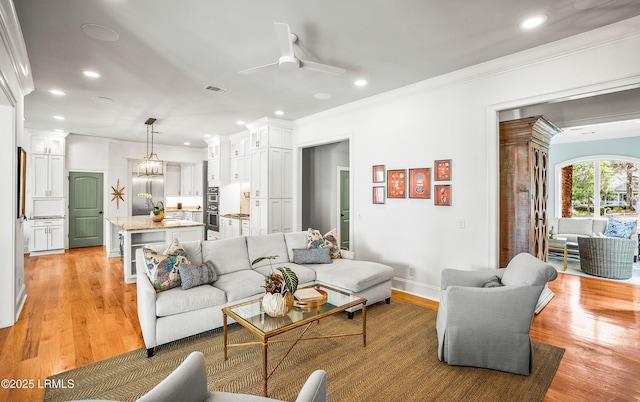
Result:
pixel 162 269
pixel 493 282
pixel 311 256
pixel 618 228
pixel 196 275
pixel 175 248
pixel 329 240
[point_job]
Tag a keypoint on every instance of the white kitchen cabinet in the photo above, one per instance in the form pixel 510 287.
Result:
pixel 260 173
pixel 239 144
pixel 271 176
pixel 197 217
pixel 245 229
pixel 46 236
pixel 48 144
pixel 229 227
pixel 191 180
pixel 240 168
pixel 174 214
pixel 48 175
pixel 218 161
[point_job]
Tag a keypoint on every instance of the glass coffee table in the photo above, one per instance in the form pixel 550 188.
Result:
pixel 251 316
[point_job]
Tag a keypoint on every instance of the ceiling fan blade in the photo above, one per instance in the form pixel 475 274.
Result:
pixel 323 68
pixel 283 35
pixel 270 66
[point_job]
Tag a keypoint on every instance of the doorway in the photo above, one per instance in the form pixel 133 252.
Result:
pixel 320 194
pixel 344 207
pixel 86 218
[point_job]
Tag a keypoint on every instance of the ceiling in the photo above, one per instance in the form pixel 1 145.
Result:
pixel 167 52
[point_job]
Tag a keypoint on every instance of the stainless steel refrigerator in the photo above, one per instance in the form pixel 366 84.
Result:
pixel 150 185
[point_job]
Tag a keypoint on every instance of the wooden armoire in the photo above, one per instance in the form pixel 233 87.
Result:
pixel 524 169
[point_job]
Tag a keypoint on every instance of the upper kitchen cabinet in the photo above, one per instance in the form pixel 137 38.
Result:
pixel 48 175
pixel 191 180
pixel 240 159
pixel 47 157
pixel 268 132
pixel 218 161
pixel 51 144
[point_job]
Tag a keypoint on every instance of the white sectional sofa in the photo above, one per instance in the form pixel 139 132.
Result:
pixel 174 314
pixel 572 228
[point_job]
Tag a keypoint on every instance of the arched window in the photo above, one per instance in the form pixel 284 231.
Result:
pixel 599 186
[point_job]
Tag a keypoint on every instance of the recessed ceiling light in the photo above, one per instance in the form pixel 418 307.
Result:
pixel 187 143
pixel 360 83
pixel 323 95
pixel 91 74
pixel 533 22
pixel 59 130
pixel 100 32
pixel 58 117
pixel 240 123
pixel 56 92
pixel 279 112
pixel 207 135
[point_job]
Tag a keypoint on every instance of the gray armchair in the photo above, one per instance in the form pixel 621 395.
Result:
pixel 489 327
pixel 188 383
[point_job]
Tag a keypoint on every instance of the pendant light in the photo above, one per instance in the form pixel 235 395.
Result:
pixel 150 165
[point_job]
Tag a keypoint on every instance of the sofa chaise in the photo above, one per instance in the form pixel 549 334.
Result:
pixel 173 314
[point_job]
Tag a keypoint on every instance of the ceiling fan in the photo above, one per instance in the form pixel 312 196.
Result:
pixel 288 60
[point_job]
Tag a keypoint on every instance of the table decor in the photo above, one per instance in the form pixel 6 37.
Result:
pixel 279 287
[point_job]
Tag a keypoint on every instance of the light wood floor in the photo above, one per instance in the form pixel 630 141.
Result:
pixel 79 311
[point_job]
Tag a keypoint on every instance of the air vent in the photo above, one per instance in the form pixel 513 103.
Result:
pixel 215 89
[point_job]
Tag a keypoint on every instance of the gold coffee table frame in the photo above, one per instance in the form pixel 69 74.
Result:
pixel 251 316
pixel 560 243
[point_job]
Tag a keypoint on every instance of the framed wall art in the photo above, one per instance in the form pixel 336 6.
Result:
pixel 378 195
pixel 442 194
pixel 396 183
pixel 419 183
pixel 442 170
pixel 22 181
pixel 378 173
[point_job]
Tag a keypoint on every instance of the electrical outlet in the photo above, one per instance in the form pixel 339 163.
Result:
pixel 412 272
pixel 461 223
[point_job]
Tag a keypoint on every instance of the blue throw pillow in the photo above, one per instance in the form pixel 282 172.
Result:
pixel 618 228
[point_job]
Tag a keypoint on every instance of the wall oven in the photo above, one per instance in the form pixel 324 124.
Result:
pixel 213 221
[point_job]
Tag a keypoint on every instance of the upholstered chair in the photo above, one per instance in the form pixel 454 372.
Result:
pixel 489 326
pixel 188 383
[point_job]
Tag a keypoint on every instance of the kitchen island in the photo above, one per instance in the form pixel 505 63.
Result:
pixel 137 231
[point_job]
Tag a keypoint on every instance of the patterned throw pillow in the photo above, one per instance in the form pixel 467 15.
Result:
pixel 618 228
pixel 162 268
pixel 329 240
pixel 196 275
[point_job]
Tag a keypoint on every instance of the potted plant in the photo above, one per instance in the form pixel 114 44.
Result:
pixel 158 208
pixel 279 287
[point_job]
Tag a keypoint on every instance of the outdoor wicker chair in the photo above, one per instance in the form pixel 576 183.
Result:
pixel 607 257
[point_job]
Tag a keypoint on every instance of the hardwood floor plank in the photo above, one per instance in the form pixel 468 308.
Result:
pixel 79 310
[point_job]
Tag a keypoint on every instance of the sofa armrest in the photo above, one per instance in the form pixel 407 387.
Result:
pixel 348 254
pixel 450 277
pixel 146 303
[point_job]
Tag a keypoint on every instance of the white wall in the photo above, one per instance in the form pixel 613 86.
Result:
pixel 454 117
pixel 16 82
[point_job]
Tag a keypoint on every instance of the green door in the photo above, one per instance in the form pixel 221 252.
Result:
pixel 85 209
pixel 344 209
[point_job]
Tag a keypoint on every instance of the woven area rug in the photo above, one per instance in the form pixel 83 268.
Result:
pixel 399 363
